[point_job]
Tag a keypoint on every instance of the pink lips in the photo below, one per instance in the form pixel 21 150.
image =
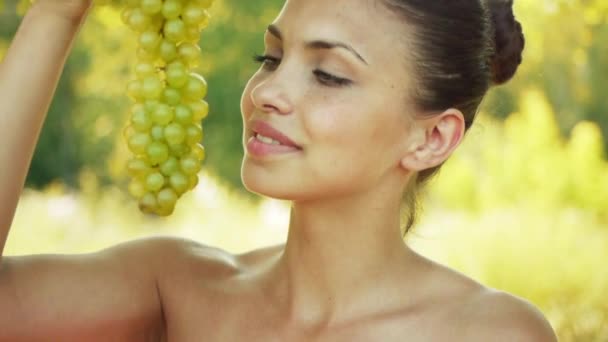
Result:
pixel 266 130
pixel 257 148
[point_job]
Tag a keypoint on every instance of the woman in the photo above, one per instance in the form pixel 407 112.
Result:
pixel 368 98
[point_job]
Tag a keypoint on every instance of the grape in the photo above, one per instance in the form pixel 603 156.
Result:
pixel 183 114
pixel 193 14
pixel 139 142
pixel 190 52
pixel 158 133
pixel 157 152
pixel 177 76
pixel 192 34
pixel 170 166
pixel 176 64
pixel 150 40
pixel 174 30
pixel 194 134
pixel 192 181
pixel 151 87
pixel 200 109
pixel 179 182
pixel 144 69
pixel 155 181
pixel 168 51
pixel 167 198
pixel 137 188
pixel 195 88
pixel 164 131
pixel 150 106
pixel 151 6
pixel 138 167
pixel 137 19
pixel 134 89
pixel 148 203
pixel 172 9
pixel 141 121
pixel 164 211
pixel 190 165
pixel 199 152
pixel 179 150
pixel 163 114
pixel 172 97
pixel 175 134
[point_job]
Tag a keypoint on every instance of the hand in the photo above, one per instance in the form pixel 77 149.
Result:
pixel 73 10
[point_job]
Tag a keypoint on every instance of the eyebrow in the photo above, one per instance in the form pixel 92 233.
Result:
pixel 319 44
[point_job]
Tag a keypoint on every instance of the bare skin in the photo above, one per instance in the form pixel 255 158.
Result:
pixel 344 273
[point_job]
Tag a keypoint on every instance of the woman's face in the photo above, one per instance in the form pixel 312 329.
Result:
pixel 333 81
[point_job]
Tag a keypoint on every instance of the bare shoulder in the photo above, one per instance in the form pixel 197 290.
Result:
pixel 173 261
pixel 174 254
pixel 492 315
pixel 120 291
pixel 478 313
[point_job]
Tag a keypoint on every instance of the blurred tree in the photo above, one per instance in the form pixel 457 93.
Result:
pixel 566 56
pixel 59 152
pixel 567 63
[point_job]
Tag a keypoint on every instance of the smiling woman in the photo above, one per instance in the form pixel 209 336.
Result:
pixel 355 105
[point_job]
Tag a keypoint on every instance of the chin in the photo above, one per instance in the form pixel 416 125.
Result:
pixel 280 183
pixel 262 181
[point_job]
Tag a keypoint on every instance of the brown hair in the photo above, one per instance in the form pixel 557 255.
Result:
pixel 458 50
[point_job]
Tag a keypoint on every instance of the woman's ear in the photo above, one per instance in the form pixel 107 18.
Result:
pixel 437 138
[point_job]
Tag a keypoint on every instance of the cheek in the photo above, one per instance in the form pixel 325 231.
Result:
pixel 342 142
pixel 331 122
pixel 355 140
pixel 347 126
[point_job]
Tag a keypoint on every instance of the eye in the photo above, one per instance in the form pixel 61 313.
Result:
pixel 271 63
pixel 268 62
pixel 331 80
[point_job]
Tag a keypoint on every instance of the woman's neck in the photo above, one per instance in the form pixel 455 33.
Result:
pixel 342 258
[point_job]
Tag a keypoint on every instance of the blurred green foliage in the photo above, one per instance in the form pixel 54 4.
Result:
pixel 567 63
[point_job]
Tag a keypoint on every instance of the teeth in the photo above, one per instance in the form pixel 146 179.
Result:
pixel 267 140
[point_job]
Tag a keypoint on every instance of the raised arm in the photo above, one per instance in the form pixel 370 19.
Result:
pixel 107 296
pixel 29 75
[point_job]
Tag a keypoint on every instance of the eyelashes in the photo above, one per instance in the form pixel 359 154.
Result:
pixel 270 63
pixel 266 61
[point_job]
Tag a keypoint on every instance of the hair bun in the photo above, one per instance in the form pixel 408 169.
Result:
pixel 509 41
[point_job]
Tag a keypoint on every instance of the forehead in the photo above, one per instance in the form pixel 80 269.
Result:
pixel 366 25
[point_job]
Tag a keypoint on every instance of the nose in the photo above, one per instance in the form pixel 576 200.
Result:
pixel 270 96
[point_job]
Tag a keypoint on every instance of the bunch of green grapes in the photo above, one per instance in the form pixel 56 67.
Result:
pixel 164 131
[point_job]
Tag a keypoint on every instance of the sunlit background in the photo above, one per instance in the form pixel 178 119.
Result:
pixel 522 205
